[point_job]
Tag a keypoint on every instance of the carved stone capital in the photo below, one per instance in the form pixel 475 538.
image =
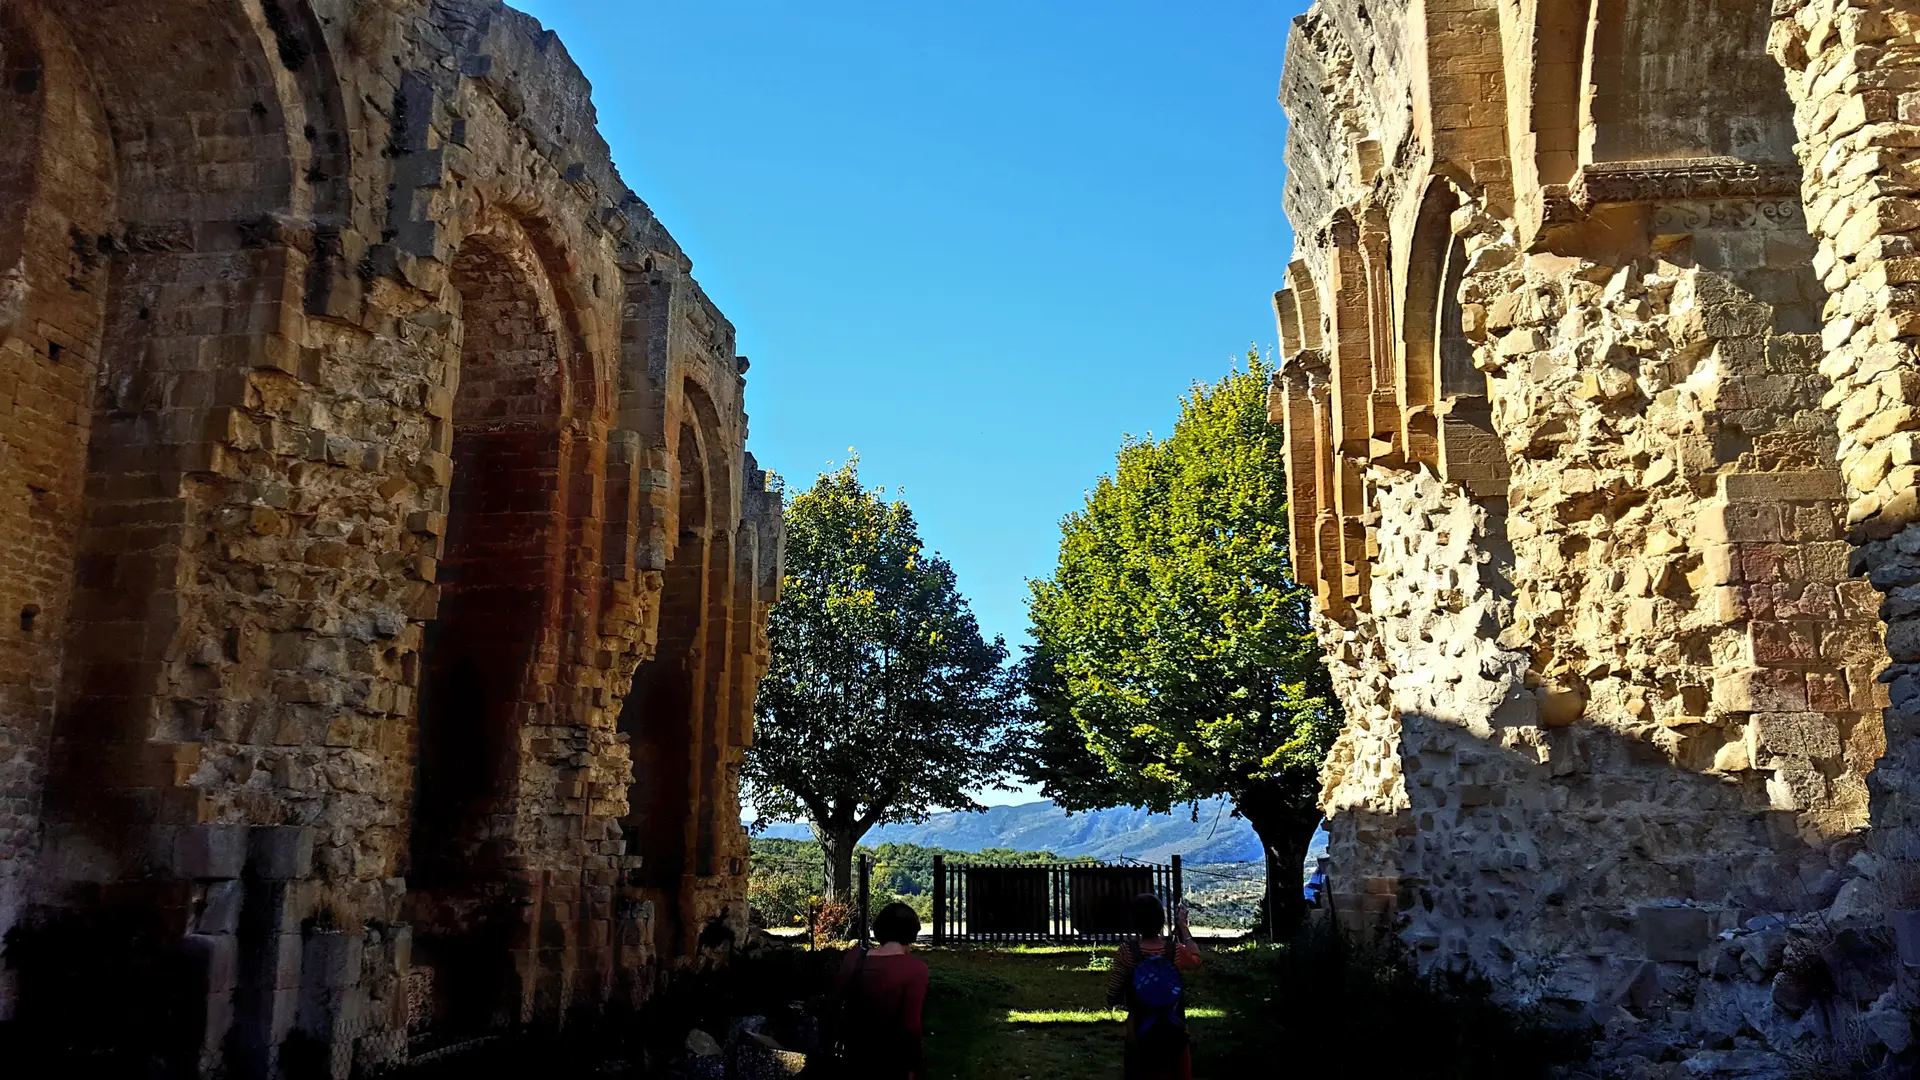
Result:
pixel 1305 369
pixel 1557 206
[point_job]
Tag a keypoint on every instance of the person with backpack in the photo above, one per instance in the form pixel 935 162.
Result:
pixel 1147 979
pixel 874 1013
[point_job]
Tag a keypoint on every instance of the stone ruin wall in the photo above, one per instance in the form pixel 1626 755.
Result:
pixel 1599 391
pixel 384 574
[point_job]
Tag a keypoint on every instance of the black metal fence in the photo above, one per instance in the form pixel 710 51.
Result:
pixel 1044 902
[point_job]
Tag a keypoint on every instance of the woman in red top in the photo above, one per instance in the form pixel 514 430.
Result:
pixel 877 1000
pixel 1158 1058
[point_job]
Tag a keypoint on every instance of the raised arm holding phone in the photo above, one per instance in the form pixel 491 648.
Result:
pixel 1148 979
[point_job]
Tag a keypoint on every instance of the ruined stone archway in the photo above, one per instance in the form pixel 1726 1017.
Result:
pixel 494 569
pixel 481 678
pixel 236 547
pixel 155 264
pixel 198 274
pixel 714 748
pixel 661 712
pixel 1660 654
pixel 56 182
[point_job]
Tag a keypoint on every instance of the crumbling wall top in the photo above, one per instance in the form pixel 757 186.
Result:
pixel 528 71
pixel 1347 91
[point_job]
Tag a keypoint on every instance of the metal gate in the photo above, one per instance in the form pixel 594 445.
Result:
pixel 1041 902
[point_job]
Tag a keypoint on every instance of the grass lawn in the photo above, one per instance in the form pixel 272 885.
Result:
pixel 1031 1012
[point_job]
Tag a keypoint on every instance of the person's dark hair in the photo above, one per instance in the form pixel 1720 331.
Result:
pixel 1148 917
pixel 896 924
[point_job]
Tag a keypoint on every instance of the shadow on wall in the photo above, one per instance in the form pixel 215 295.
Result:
pixel 1585 873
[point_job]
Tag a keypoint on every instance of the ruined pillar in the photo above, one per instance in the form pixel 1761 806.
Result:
pixel 1855 117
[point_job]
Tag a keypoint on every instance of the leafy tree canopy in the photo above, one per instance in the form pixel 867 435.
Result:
pixel 1173 658
pixel 882 702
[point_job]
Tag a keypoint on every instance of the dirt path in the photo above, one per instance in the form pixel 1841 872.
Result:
pixel 1028 1014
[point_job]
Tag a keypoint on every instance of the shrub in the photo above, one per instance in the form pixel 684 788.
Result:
pixel 782 897
pixel 831 922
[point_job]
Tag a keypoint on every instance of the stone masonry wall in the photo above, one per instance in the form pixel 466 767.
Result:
pixel 349 406
pixel 1596 513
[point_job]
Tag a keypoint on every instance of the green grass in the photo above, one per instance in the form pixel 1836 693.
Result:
pixel 1032 1013
pixel 1039 1013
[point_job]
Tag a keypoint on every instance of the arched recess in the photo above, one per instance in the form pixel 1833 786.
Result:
pixel 1690 151
pixel 1385 404
pixel 719 654
pixel 1668 79
pixel 1427 266
pixel 1469 452
pixel 497 597
pixel 659 715
pixel 481 669
pixel 159 262
pixel 1314 444
pixel 56 183
pixel 320 145
pixel 1351 398
pixel 191 276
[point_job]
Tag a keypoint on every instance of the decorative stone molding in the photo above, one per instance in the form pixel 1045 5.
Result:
pixel 1732 214
pixel 1682 179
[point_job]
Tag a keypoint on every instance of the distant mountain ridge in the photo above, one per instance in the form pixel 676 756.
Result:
pixel 1124 833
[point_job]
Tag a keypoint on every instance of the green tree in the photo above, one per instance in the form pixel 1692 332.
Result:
pixel 1173 658
pixel 882 701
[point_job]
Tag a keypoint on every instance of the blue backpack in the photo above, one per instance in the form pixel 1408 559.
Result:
pixel 1156 993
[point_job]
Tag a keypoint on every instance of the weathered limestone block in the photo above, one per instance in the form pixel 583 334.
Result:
pixel 377 530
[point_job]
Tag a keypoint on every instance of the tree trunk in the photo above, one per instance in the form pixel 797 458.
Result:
pixel 837 841
pixel 1285 837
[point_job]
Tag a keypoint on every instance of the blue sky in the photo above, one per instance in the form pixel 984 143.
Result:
pixel 979 242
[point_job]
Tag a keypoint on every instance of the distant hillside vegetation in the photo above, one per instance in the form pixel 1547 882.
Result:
pixel 1216 837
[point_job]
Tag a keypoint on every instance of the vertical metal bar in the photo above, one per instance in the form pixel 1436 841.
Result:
pixel 866 897
pixel 939 899
pixel 1179 883
pixel 1055 876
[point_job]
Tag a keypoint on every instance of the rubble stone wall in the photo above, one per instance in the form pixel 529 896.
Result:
pixel 353 417
pixel 1599 491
